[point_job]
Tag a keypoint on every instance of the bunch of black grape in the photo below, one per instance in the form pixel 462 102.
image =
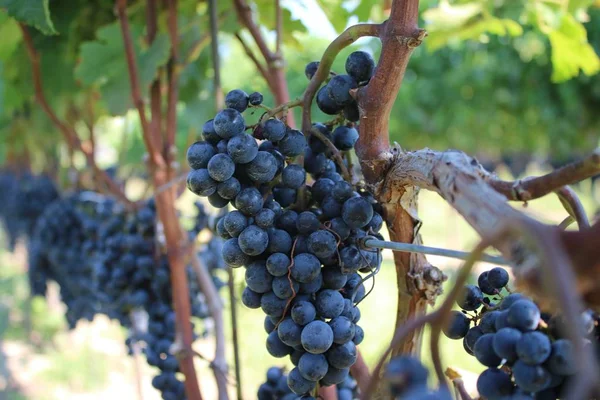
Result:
pixel 8 190
pixel 407 380
pixel 276 387
pixel 296 229
pixel 525 350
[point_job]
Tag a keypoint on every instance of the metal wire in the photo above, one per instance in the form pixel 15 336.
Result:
pixel 370 242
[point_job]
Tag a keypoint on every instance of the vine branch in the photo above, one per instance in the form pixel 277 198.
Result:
pixel 173 69
pixel 533 188
pixel 216 60
pixel 572 204
pixel 68 132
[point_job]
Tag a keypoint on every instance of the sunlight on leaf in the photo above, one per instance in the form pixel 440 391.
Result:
pixel 31 12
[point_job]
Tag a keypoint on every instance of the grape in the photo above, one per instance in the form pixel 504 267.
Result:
pixel 484 285
pixel 250 298
pixel 471 298
pixel 228 123
pixel 311 69
pixel 276 347
pixel 498 277
pixel 199 154
pixel 249 201
pixel 277 264
pixel 523 315
pixel 235 222
pixel 351 112
pixel 306 267
pixel 531 378
pixel 326 103
pixel 293 143
pixel 484 351
pixel 263 168
pixel 313 366
pixel 345 137
pixel 342 191
pixel 273 130
pixel 317 337
pixel 242 148
pixel 334 376
pixel 299 384
pixel 376 223
pixel 283 288
pixel 217 201
pixel 307 222
pixel 360 66
pixel 199 182
pixel 289 332
pixel 253 240
pixel 329 303
pixel 268 324
pixel 505 343
pixel 562 361
pixel 222 146
pixel 333 278
pixel 255 99
pixel 237 99
pixel 258 278
pixel 293 176
pixel 209 134
pixel 322 244
pixel 357 212
pixel 312 286
pixel 494 384
pixel 404 373
pixel 233 255
pixel 359 335
pixel 303 312
pixel 279 241
pixel 229 189
pixel 221 167
pixel 501 320
pixel 343 329
pixel 534 348
pixel 510 300
pixel 342 355
pixel 321 189
pixel 338 89
pixel 471 337
pixel 458 325
pixel 338 226
pixel 287 221
pixel 331 208
pixel 285 196
pixel 272 305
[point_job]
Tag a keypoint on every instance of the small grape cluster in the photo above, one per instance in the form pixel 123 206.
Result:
pixel 296 228
pixel 276 387
pixel 407 378
pixel 525 350
pixel 107 260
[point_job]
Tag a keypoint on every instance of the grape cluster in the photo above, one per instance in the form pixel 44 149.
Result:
pixel 296 228
pixel 407 380
pixel 108 260
pixel 276 387
pixel 525 350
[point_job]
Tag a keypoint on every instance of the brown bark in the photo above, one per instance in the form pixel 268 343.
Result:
pixel 399 36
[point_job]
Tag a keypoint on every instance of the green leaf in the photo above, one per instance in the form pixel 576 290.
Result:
pixel 575 5
pixel 448 17
pixel 31 12
pixel 364 8
pixel 337 15
pixel 571 51
pixel 103 63
pixel 11 37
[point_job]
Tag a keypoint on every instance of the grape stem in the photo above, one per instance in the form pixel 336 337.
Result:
pixel 345 39
pixel 282 108
pixel 335 153
pixel 535 187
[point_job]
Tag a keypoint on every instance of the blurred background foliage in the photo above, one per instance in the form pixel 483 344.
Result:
pixel 495 78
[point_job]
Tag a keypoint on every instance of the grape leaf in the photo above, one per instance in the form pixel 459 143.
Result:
pixel 337 15
pixel 103 64
pixel 11 36
pixel 364 9
pixel 31 12
pixel 571 51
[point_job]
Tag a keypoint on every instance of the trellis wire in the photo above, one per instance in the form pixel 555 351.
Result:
pixel 373 243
